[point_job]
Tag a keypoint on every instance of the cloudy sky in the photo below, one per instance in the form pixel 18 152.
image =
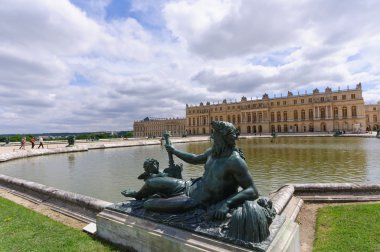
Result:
pixel 89 65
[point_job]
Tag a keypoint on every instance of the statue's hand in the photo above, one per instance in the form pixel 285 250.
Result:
pixel 169 148
pixel 129 193
pixel 221 213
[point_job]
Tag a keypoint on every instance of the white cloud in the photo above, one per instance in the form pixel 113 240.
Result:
pixel 166 54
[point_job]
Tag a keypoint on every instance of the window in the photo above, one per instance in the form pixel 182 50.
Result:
pixel 260 117
pixel 254 117
pixel 374 108
pixel 352 96
pixel 335 98
pixel 295 102
pixel 249 117
pixel 374 118
pixel 322 99
pixel 272 116
pixel 302 101
pixel 353 111
pixel 343 97
pixel 311 114
pixel 278 103
pixel 285 116
pixel 323 113
pixel 335 112
pixel 272 104
pixel 310 100
pixel 303 115
pixel 344 112
pixel 295 115
pixel 284 103
pixel 279 117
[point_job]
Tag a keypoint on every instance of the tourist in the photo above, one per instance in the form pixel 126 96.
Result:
pixel 41 140
pixel 23 143
pixel 32 141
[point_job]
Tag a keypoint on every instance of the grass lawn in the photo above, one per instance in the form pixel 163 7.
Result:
pixel 21 229
pixel 348 228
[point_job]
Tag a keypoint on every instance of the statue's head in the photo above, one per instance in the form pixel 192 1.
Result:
pixel 224 135
pixel 151 165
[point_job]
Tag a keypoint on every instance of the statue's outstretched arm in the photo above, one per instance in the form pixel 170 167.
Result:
pixel 188 157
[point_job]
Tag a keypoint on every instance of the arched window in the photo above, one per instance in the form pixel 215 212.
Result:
pixel 303 115
pixel 353 111
pixel 311 128
pixel 273 128
pixel 278 128
pixel 323 127
pixel 344 112
pixel 323 113
pixel 248 129
pixel 336 113
pixel 311 114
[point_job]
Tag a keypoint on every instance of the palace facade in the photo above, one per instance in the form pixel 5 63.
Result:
pixel 372 113
pixel 154 127
pixel 317 112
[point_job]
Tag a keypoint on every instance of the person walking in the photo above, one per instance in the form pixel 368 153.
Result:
pixel 41 140
pixel 32 141
pixel 23 142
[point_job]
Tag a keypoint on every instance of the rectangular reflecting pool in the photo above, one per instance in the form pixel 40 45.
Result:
pixel 104 173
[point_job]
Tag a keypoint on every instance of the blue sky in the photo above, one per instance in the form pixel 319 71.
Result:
pixel 88 65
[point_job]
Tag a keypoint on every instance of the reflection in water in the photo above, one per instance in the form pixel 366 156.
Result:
pixel 104 173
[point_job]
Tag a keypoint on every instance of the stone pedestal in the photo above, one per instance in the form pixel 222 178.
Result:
pixel 143 235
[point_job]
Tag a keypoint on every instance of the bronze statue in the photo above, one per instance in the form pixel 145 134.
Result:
pixel 215 196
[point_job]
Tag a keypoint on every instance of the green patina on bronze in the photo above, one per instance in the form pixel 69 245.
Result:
pixel 239 215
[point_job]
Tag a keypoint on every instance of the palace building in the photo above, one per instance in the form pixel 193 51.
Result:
pixel 372 113
pixel 317 112
pixel 154 127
